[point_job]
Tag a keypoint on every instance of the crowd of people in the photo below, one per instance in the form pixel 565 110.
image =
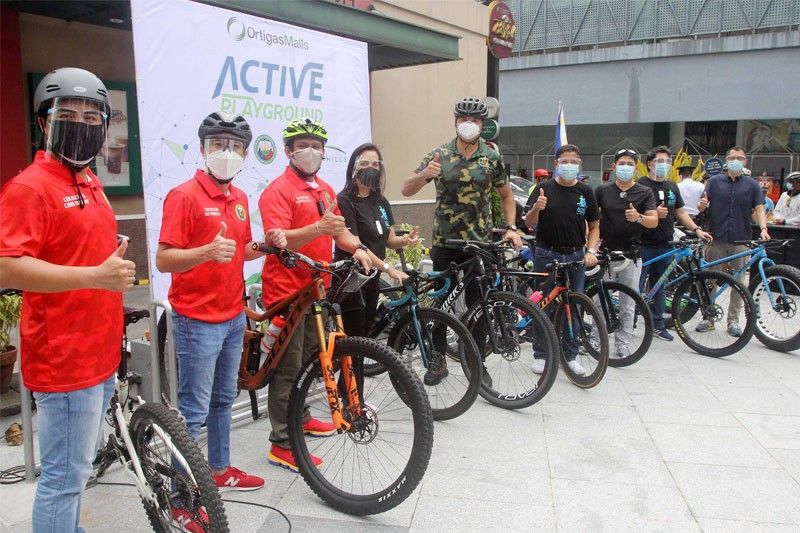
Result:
pixel 59 245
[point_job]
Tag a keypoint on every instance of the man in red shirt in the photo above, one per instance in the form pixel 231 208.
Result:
pixel 59 246
pixel 303 205
pixel 205 240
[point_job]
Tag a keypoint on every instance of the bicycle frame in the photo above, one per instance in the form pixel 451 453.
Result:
pixel 678 255
pixel 312 296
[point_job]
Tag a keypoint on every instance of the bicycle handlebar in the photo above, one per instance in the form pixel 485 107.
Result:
pixel 288 258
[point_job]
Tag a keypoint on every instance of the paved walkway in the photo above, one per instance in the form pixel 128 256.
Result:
pixel 678 442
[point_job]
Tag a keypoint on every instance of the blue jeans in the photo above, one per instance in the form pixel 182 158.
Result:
pixel 577 281
pixel 69 423
pixel 208 359
pixel 649 277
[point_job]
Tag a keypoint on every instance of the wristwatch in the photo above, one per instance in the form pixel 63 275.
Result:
pixel 512 227
pixel 362 246
pixel 639 220
pixel 591 251
pixel 386 267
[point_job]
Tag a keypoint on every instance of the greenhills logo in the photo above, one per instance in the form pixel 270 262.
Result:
pixel 238 30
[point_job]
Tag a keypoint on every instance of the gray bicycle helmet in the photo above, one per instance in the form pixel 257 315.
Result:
pixel 793 176
pixel 225 127
pixel 471 107
pixel 70 82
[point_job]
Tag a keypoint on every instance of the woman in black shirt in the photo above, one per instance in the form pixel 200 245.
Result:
pixel 368 215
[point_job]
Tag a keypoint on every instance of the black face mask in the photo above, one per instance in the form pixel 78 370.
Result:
pixel 76 142
pixel 370 177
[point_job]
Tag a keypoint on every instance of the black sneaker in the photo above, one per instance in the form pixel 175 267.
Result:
pixel 437 370
pixel 486 379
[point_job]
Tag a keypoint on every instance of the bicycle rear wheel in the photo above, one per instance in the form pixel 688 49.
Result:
pixel 778 324
pixel 641 335
pixel 175 470
pixel 447 357
pixel 702 312
pixel 579 343
pixel 520 330
pixel 378 463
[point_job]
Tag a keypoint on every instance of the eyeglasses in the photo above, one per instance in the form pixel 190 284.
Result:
pixel 627 151
pixel 364 163
pixel 569 161
pixel 91 117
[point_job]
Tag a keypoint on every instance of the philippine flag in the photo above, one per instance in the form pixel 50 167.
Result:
pixel 561 130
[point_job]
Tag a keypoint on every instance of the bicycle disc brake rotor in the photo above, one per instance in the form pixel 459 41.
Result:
pixel 363 426
pixel 713 313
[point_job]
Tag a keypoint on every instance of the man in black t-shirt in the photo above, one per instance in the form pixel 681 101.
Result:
pixel 560 210
pixel 625 208
pixel 656 241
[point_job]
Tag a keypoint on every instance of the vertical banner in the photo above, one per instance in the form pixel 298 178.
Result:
pixel 193 59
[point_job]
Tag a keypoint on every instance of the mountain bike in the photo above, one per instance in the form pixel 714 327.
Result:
pixel 776 293
pixel 507 328
pixel 434 343
pixel 384 424
pixel 619 304
pixel 700 295
pixel 154 446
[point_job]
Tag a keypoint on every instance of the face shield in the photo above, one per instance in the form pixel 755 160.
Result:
pixel 74 130
pixel 370 173
pixel 224 157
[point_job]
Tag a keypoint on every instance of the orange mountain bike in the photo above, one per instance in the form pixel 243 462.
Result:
pixel 384 423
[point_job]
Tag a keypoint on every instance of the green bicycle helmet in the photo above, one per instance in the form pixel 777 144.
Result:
pixel 304 128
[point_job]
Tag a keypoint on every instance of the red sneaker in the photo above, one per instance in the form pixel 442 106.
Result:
pixel 318 428
pixel 235 479
pixel 184 519
pixel 283 457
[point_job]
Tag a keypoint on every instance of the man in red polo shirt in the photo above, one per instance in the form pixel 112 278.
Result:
pixel 59 246
pixel 305 207
pixel 205 239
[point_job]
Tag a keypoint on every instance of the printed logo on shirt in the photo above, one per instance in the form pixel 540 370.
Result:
pixel 303 199
pixel 240 212
pixel 384 216
pixel 581 210
pixel 671 199
pixel 72 201
pixel 483 162
pixel 328 199
pixel 212 212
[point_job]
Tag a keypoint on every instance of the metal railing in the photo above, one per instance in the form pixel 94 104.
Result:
pixel 570 24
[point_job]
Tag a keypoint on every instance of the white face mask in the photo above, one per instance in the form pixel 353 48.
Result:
pixel 468 131
pixel 224 164
pixel 307 160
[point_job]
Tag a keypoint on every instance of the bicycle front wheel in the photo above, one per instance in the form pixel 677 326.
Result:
pixel 441 350
pixel 628 317
pixel 584 340
pixel 519 348
pixel 175 470
pixel 777 296
pixel 702 310
pixel 379 462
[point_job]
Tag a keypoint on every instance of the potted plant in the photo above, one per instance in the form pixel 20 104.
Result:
pixel 10 310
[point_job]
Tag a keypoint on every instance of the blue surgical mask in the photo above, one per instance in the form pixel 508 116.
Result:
pixel 624 172
pixel 789 186
pixel 735 166
pixel 568 171
pixel 662 169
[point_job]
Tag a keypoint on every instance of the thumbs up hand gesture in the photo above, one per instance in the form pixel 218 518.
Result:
pixel 631 214
pixel 541 201
pixel 221 249
pixel 434 168
pixel 331 223
pixel 702 205
pixel 662 209
pixel 115 273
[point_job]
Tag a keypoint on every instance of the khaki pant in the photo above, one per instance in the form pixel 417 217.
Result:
pixel 303 346
pixel 718 250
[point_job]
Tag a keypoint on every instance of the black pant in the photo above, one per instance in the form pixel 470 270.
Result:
pixel 358 309
pixel 442 258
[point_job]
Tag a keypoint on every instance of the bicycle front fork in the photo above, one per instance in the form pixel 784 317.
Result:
pixel 326 348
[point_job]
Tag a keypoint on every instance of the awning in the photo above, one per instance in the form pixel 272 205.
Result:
pixel 392 43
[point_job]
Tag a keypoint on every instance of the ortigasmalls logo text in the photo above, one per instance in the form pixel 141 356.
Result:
pixel 238 30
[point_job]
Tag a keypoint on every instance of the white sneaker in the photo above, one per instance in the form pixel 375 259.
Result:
pixel 576 367
pixel 538 366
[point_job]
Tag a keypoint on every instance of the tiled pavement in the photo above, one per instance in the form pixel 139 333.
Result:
pixel 677 442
